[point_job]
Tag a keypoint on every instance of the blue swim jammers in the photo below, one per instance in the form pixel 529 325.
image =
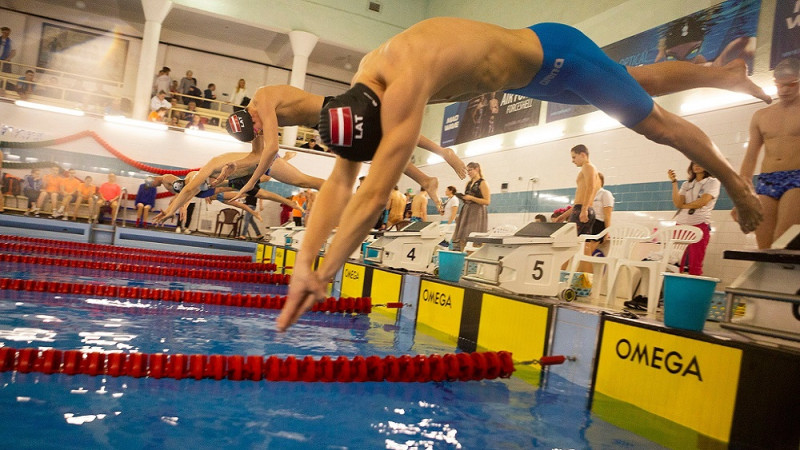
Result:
pixel 575 71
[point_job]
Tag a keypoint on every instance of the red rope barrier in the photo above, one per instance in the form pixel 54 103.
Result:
pixel 166 271
pixel 118 249
pixel 405 368
pixel 133 258
pixel 346 305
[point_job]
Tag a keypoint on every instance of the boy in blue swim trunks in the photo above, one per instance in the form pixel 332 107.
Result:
pixel 776 128
pixel 449 59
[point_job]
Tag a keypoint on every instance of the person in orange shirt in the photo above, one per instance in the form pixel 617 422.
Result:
pixel 52 187
pixel 297 215
pixel 110 193
pixel 84 193
pixel 69 192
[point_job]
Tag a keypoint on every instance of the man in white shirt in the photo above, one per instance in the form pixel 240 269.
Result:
pixel 160 101
pixel 603 205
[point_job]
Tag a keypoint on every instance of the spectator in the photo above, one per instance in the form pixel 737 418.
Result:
pixel 695 200
pixel 25 85
pixel 196 123
pixel 186 82
pixel 248 220
pixel 240 97
pixel 210 95
pixel 69 192
pixel 110 193
pixel 312 145
pixel 450 208
pixel 286 212
pixel 86 191
pixel 194 91
pixel 145 200
pixel 603 206
pixel 297 214
pixel 191 111
pixel 473 216
pixel 51 190
pixel 158 116
pixel 396 207
pixel 419 205
pixel 160 101
pixel 7 50
pixel 31 188
pixel 162 82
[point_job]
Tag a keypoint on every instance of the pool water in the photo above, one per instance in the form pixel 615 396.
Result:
pixel 60 411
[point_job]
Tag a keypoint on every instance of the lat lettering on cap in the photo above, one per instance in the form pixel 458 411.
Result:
pixel 341 129
pixel 235 122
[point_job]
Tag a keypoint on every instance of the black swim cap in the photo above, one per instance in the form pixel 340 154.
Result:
pixel 240 126
pixel 350 124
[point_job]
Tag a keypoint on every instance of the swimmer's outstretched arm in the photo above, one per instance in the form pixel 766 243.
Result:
pixel 403 106
pixel 267 146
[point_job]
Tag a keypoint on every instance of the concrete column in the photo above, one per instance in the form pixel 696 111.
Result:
pixel 155 11
pixel 302 45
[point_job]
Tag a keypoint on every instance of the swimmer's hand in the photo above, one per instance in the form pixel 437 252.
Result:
pixel 161 217
pixel 305 289
pixel 243 192
pixel 226 171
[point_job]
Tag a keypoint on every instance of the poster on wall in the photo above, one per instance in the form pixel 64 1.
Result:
pixel 713 36
pixel 488 115
pixel 785 32
pixel 82 52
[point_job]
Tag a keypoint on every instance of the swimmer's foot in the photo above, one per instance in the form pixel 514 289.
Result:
pixel 431 186
pixel 455 162
pixel 227 169
pixel 288 155
pixel 748 207
pixel 738 81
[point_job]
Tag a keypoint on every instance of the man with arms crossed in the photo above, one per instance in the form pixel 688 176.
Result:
pixel 777 129
pixel 451 59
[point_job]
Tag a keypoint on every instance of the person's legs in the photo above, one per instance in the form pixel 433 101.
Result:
pixel 40 202
pixel 289 174
pixel 674 76
pixel 766 229
pixel 788 215
pixel 145 215
pixel 139 211
pixel 666 128
pixel 114 211
pixel 77 205
pixel 696 252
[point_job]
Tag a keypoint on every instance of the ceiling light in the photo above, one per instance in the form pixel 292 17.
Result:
pixel 55 109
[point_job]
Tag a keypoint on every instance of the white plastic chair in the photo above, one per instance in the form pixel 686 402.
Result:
pixel 672 243
pixel 620 242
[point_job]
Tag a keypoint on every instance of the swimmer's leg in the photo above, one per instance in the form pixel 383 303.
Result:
pixel 674 76
pixel 431 184
pixel 289 174
pixel 666 128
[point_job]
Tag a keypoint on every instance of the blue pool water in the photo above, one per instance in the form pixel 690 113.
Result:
pixel 59 411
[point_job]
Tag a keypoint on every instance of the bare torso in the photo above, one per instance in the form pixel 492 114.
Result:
pixel 454 59
pixel 586 188
pixel 418 205
pixel 779 126
pixel 292 106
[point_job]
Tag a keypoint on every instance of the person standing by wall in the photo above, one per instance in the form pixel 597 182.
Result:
pixel 777 129
pixel 7 50
pixel 474 216
pixel 419 205
pixel 239 96
pixel 695 200
pixel 31 188
pixel 451 205
pixel 603 206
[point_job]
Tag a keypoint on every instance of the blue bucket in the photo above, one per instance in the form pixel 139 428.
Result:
pixel 687 300
pixel 451 265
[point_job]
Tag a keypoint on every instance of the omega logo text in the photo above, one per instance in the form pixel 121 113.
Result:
pixel 659 358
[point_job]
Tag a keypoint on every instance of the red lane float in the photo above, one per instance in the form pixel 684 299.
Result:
pixel 131 258
pixel 346 305
pixel 406 369
pixel 117 249
pixel 166 271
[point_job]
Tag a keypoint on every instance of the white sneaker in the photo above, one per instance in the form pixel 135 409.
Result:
pixel 178 230
pixel 187 231
pixel 65 218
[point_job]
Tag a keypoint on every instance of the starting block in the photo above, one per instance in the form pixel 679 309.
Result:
pixel 527 262
pixel 770 289
pixel 411 248
pixel 355 255
pixel 295 237
pixel 278 235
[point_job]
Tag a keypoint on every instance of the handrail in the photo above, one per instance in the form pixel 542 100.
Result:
pixel 60 73
pixel 123 197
